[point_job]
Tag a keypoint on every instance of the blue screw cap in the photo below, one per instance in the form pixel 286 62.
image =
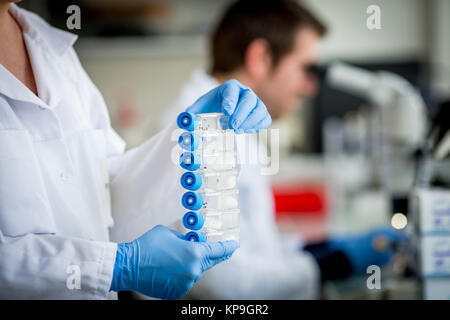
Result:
pixel 190 161
pixel 191 180
pixel 192 200
pixel 189 141
pixel 195 236
pixel 193 220
pixel 187 121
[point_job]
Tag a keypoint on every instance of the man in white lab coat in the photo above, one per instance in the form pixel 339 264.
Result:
pixel 270 46
pixel 65 179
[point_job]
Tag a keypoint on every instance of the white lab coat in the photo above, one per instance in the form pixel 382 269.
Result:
pixel 267 264
pixel 60 162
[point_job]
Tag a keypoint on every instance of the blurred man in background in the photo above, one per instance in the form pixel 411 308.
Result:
pixel 270 46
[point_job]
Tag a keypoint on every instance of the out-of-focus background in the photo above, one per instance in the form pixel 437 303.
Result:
pixel 139 53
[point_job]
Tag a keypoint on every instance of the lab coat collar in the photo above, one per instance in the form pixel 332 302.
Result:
pixel 53 41
pixel 13 88
pixel 59 41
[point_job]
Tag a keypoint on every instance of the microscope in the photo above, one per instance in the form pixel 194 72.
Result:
pixel 409 164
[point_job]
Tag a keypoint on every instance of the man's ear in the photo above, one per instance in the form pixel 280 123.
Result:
pixel 258 59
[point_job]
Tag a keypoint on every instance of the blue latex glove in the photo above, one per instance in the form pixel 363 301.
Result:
pixel 373 248
pixel 247 112
pixel 162 264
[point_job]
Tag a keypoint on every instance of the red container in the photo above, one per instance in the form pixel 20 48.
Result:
pixel 300 199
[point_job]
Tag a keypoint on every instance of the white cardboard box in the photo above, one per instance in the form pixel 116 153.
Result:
pixel 434 210
pixel 435 256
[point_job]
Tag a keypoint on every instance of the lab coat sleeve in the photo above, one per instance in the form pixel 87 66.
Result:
pixel 145 187
pixel 46 266
pixel 144 181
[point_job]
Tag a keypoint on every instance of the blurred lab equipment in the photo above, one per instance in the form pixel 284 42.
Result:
pixel 372 153
pixel 401 106
pixel 439 137
pixel 383 137
pixel 212 195
pixel 397 124
pixel 430 201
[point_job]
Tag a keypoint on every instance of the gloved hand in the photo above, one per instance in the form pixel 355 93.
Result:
pixel 247 112
pixel 373 248
pixel 162 264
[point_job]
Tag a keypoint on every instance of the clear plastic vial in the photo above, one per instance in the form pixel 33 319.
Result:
pixel 209 181
pixel 213 235
pixel 207 143
pixel 209 122
pixel 222 235
pixel 217 220
pixel 220 200
pixel 220 161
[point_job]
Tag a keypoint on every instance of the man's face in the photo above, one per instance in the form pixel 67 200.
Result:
pixel 285 85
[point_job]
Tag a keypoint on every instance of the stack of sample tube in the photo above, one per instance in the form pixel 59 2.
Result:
pixel 210 160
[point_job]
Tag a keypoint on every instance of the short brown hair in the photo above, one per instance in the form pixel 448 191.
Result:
pixel 276 21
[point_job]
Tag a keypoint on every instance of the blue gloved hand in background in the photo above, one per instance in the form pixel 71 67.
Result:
pixel 162 264
pixel 247 112
pixel 373 248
